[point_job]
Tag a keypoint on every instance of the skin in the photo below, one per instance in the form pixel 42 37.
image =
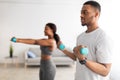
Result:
pixel 89 17
pixel 50 42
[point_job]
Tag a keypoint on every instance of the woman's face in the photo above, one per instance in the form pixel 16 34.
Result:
pixel 48 31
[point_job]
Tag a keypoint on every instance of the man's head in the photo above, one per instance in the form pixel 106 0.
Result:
pixel 90 13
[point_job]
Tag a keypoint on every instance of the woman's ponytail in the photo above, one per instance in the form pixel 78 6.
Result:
pixel 54 28
pixel 56 37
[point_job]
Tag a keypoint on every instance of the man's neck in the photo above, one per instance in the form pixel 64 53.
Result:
pixel 91 28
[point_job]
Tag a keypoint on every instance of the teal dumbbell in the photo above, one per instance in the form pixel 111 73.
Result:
pixel 13 39
pixel 84 51
pixel 61 46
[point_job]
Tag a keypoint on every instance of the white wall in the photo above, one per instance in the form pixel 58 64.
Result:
pixel 26 19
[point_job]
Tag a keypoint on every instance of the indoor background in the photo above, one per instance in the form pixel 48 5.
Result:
pixel 27 19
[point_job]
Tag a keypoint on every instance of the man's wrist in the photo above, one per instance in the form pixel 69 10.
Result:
pixel 83 62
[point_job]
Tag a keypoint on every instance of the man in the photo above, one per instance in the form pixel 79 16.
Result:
pixel 96 64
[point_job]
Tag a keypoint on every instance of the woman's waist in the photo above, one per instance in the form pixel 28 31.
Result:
pixel 45 57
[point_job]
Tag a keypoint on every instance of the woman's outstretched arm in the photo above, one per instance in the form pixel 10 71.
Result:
pixel 26 41
pixel 42 42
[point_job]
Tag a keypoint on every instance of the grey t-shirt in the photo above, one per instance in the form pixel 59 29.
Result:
pixel 99 46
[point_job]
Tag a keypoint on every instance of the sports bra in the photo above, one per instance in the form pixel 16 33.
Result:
pixel 45 50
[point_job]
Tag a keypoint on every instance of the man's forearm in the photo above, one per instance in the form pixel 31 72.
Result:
pixel 102 69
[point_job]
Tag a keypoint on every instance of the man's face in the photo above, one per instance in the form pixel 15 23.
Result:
pixel 87 15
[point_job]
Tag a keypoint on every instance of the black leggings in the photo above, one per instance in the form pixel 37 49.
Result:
pixel 47 70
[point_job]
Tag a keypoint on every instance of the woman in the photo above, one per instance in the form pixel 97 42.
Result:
pixel 47 46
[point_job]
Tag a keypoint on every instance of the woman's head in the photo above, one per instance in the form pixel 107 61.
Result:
pixel 50 29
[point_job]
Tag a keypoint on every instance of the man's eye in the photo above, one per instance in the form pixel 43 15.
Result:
pixel 85 12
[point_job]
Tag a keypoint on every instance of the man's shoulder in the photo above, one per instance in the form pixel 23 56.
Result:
pixel 102 33
pixel 80 35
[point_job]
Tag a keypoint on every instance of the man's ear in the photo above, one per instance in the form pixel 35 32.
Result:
pixel 97 14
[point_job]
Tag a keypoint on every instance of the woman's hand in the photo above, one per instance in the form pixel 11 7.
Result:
pixel 14 39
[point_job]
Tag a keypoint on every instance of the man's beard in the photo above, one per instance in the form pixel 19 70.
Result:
pixel 83 24
pixel 87 23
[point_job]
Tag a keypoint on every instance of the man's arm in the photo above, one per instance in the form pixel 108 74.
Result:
pixel 99 68
pixel 104 50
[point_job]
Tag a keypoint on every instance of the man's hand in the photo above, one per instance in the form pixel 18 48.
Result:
pixel 78 54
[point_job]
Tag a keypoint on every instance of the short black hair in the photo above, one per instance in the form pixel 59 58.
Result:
pixel 94 4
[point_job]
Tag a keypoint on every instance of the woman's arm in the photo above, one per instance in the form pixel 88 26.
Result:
pixel 26 41
pixel 42 42
pixel 66 52
pixel 70 54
